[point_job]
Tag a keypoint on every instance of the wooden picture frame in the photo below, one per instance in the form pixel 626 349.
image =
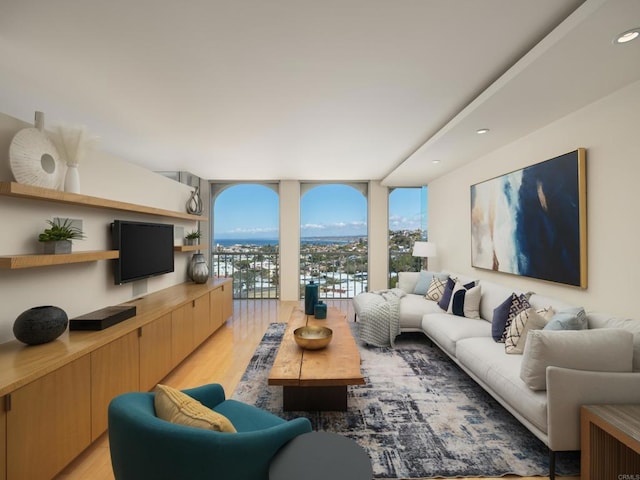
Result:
pixel 533 221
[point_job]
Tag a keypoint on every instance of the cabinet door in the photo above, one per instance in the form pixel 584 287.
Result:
pixel 3 439
pixel 49 422
pixel 182 333
pixel 227 301
pixel 115 369
pixel 202 323
pixel 155 352
pixel 215 307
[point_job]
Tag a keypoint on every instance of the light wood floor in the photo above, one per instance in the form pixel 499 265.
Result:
pixel 222 359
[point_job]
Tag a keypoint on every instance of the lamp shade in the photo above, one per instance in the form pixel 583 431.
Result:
pixel 424 249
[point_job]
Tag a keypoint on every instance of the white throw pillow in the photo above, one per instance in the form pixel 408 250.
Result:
pixel 465 302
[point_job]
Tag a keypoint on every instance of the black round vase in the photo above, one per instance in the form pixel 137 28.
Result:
pixel 40 324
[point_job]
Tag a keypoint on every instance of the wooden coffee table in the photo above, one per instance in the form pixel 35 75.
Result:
pixel 317 379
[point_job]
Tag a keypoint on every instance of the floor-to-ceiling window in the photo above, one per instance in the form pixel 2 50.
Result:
pixel 245 232
pixel 407 224
pixel 333 238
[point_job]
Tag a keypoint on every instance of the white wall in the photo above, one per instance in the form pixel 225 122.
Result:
pixel 609 130
pixel 83 287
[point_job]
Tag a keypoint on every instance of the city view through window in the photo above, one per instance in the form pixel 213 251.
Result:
pixel 333 237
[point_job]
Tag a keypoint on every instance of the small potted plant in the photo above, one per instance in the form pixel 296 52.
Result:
pixel 192 238
pixel 57 238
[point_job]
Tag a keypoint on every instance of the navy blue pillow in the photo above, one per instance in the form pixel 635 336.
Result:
pixel 443 303
pixel 518 304
pixel 500 316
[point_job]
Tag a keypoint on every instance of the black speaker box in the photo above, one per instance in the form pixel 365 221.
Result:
pixel 103 318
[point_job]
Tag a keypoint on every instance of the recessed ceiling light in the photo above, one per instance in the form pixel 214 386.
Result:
pixel 482 131
pixel 627 36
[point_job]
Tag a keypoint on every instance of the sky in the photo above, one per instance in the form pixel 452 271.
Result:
pixel 250 211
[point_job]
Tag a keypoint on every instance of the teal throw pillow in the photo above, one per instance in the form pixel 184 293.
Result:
pixel 570 319
pixel 424 280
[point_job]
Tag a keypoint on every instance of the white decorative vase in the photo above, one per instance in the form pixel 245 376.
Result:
pixel 72 179
pixel 34 159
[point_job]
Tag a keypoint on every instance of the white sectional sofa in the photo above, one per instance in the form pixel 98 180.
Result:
pixel 557 373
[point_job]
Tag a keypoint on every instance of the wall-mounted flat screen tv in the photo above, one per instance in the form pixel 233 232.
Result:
pixel 146 250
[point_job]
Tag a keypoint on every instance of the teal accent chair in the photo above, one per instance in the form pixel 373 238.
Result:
pixel 145 447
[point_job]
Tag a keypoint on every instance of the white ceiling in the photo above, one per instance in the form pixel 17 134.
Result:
pixel 310 89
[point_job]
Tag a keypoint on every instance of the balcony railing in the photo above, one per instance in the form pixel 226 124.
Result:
pixel 255 273
pixel 339 275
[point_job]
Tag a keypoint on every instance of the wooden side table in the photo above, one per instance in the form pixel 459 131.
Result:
pixel 610 442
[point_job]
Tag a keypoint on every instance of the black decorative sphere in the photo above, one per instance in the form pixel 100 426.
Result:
pixel 40 324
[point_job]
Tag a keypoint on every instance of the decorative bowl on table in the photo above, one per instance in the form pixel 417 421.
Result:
pixel 313 337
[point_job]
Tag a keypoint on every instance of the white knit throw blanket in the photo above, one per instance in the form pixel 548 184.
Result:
pixel 379 321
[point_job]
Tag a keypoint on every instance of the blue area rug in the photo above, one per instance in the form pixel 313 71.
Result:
pixel 418 416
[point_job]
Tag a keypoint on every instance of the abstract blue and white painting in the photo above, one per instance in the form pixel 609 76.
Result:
pixel 532 222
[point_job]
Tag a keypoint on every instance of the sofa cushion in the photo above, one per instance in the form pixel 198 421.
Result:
pixel 500 373
pixel 541 301
pixel 465 302
pixel 492 296
pixel 407 281
pixel 446 330
pixel 412 308
pixel 600 350
pixel 524 321
pixel 463 278
pixel 599 320
pixel 570 319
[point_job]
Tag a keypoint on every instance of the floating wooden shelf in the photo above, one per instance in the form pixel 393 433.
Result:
pixel 14 262
pixel 13 189
pixel 188 248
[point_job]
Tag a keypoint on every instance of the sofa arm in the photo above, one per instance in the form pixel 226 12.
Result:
pixel 568 390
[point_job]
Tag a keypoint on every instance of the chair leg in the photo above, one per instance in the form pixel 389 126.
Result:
pixel 552 465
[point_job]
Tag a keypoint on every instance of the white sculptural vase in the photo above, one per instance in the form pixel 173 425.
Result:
pixel 72 179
